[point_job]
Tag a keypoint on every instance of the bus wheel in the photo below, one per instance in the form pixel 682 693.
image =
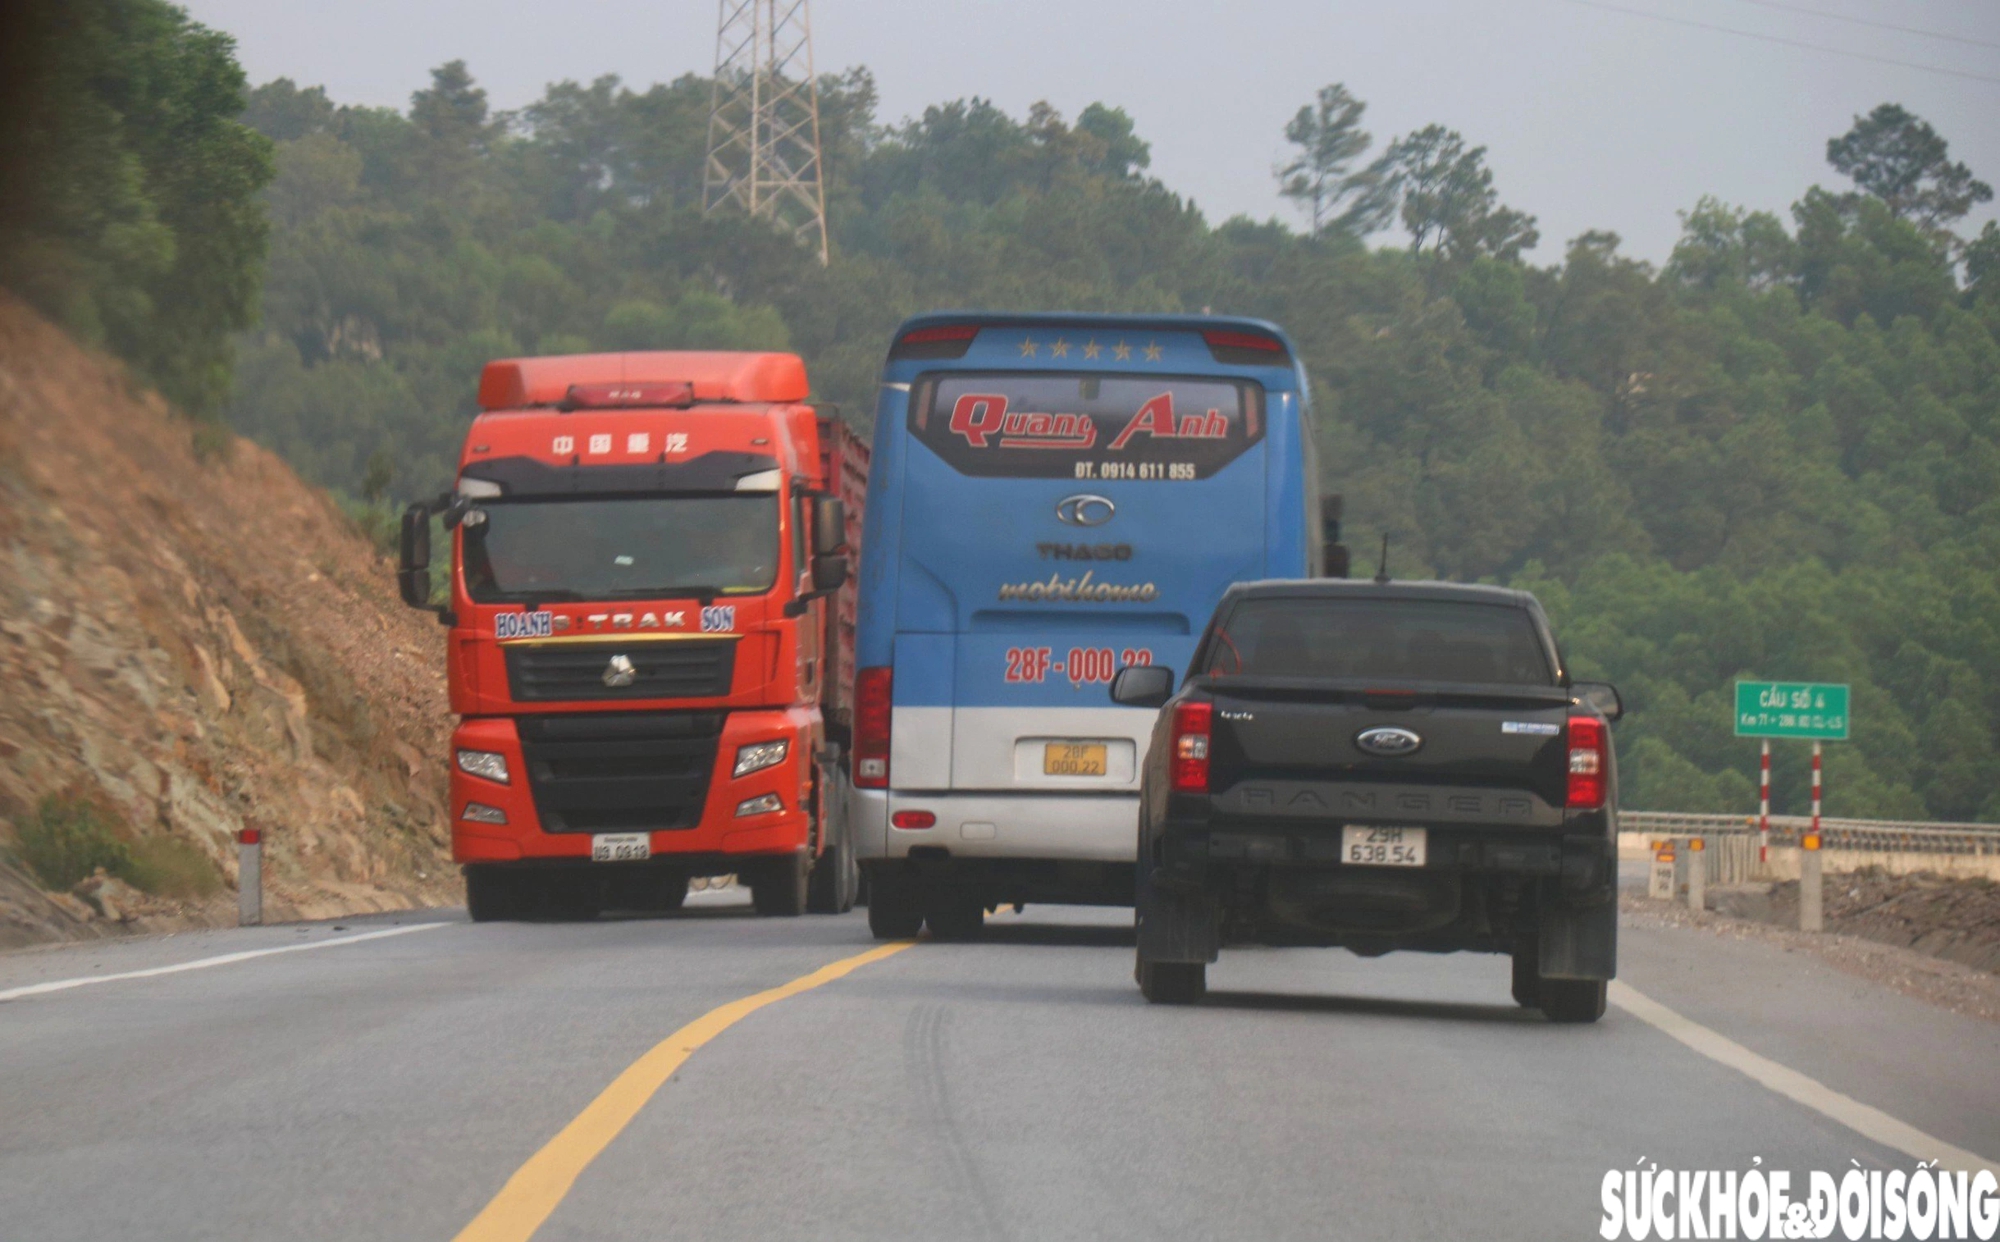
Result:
pixel 893 910
pixel 955 917
pixel 779 890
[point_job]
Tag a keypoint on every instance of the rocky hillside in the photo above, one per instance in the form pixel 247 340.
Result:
pixel 191 644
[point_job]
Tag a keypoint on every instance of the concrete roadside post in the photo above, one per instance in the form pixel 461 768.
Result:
pixel 1697 874
pixel 1660 884
pixel 1681 860
pixel 249 877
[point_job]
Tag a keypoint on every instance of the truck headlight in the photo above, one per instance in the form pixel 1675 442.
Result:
pixel 764 804
pixel 486 763
pixel 760 755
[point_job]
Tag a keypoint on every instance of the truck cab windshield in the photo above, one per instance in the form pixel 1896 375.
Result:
pixel 626 547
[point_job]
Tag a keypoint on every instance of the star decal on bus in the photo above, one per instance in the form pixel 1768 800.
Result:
pixel 1153 351
pixel 1027 347
pixel 1121 351
pixel 1060 349
pixel 1091 348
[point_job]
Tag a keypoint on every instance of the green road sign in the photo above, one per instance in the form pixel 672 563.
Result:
pixel 1791 709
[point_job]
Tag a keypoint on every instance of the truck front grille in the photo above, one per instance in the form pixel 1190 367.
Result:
pixel 592 672
pixel 620 772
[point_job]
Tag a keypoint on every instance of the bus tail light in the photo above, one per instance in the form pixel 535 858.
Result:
pixel 945 340
pixel 1246 349
pixel 1589 763
pixel 871 728
pixel 1190 758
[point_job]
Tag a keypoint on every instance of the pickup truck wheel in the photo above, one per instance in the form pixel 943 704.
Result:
pixel 1172 983
pixel 780 890
pixel 1572 1000
pixel 1527 979
pixel 491 895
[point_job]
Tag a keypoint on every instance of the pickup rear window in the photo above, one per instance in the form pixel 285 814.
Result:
pixel 1391 639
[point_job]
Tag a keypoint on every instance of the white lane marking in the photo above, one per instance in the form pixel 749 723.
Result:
pixel 1865 1120
pixel 203 963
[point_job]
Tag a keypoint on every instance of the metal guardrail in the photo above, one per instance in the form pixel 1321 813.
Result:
pixel 1837 834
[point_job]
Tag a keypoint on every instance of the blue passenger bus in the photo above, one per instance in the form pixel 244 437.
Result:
pixel 1052 497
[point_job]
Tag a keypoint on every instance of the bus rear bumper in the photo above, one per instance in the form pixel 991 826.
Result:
pixel 1056 827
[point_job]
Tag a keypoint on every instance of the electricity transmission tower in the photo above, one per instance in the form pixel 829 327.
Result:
pixel 763 119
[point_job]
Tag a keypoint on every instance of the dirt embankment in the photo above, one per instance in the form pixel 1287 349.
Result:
pixel 1954 919
pixel 189 647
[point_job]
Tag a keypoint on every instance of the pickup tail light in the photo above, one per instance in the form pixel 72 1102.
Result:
pixel 871 728
pixel 1589 763
pixel 1191 739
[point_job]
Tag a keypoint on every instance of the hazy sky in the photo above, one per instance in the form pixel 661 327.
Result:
pixel 1594 115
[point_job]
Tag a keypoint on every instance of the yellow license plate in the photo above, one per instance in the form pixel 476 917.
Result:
pixel 1075 759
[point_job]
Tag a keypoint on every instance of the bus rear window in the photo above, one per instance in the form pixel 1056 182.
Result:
pixel 1070 426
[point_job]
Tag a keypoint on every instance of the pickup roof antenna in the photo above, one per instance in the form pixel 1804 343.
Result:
pixel 1382 565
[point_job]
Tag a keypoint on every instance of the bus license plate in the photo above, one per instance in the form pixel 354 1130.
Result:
pixel 620 847
pixel 1382 847
pixel 1075 759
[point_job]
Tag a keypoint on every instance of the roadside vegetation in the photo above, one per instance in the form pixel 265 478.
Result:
pixel 1776 455
pixel 69 839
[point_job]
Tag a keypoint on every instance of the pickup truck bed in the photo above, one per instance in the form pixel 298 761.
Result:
pixel 1380 767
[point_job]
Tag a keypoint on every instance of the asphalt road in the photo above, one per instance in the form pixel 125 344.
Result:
pixel 1016 1088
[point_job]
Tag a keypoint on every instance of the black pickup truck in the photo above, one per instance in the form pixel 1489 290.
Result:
pixel 1379 766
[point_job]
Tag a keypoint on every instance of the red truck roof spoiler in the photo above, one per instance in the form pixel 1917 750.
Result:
pixel 513 383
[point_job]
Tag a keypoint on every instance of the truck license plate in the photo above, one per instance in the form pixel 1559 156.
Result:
pixel 620 847
pixel 1382 847
pixel 1075 759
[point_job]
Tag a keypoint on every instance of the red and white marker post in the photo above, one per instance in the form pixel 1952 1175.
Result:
pixel 1811 909
pixel 1764 803
pixel 249 877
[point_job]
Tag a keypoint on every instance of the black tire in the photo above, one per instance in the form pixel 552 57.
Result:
pixel 1172 983
pixel 671 894
pixel 893 910
pixel 1527 979
pixel 836 877
pixel 779 889
pixel 954 917
pixel 491 895
pixel 1572 1000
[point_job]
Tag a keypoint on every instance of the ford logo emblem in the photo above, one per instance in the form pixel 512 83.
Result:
pixel 1390 742
pixel 1085 510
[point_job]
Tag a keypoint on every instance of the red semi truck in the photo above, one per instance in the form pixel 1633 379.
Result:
pixel 652 633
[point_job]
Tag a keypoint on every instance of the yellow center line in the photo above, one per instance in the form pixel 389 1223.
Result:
pixel 538 1186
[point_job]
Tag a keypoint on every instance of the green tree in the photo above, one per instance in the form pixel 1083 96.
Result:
pixel 1446 200
pixel 1326 171
pixel 1896 156
pixel 132 213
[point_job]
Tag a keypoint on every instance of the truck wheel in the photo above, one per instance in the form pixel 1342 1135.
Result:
pixel 953 917
pixel 893 910
pixel 491 895
pixel 1172 983
pixel 779 890
pixel 671 894
pixel 835 877
pixel 1527 979
pixel 1572 1000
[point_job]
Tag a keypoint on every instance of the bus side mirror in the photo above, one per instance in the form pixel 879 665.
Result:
pixel 1143 685
pixel 1601 695
pixel 1335 553
pixel 829 571
pixel 413 568
pixel 829 529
